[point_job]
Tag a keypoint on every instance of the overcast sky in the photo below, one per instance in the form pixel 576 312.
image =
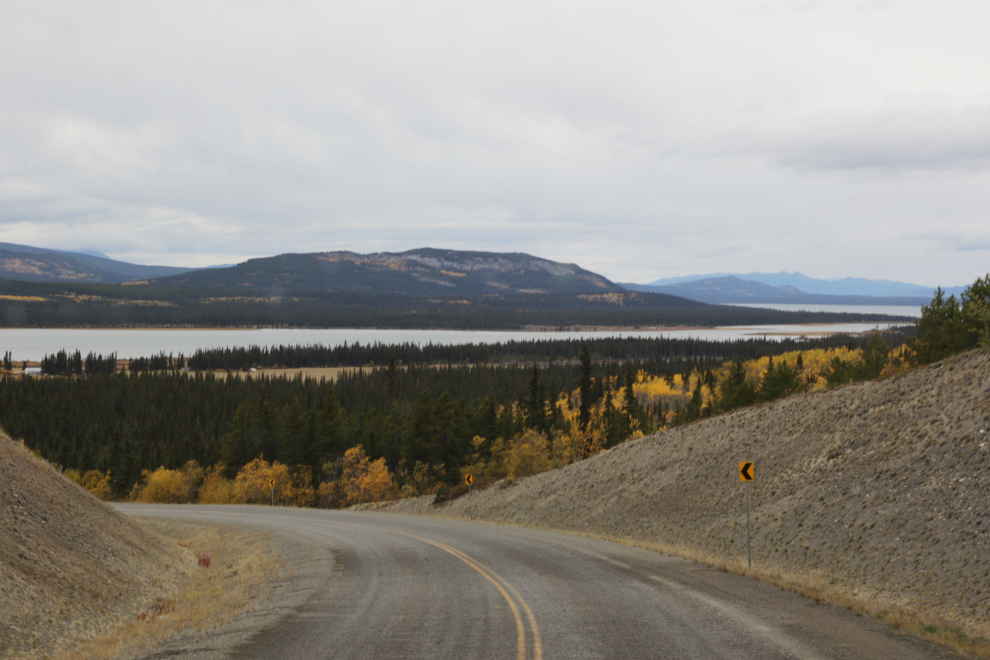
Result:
pixel 638 139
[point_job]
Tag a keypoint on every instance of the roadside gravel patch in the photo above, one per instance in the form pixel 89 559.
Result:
pixel 309 566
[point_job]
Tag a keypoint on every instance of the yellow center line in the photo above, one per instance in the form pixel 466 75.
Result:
pixel 488 573
pixel 520 628
pixel 537 643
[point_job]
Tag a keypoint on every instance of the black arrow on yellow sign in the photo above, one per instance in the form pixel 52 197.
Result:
pixel 746 471
pixel 468 479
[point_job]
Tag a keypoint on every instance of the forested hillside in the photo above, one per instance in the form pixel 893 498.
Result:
pixel 420 272
pixel 53 305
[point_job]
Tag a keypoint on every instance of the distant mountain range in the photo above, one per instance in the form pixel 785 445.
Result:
pixel 789 287
pixel 23 262
pixel 732 290
pixel 444 273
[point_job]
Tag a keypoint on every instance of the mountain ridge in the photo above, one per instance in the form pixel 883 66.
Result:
pixel 33 264
pixel 730 290
pixel 809 285
pixel 423 271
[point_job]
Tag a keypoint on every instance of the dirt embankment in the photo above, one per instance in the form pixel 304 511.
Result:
pixel 70 566
pixel 878 491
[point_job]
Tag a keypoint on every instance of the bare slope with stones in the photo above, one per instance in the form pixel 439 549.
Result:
pixel 879 491
pixel 71 567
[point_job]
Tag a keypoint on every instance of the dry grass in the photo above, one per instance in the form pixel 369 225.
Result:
pixel 242 567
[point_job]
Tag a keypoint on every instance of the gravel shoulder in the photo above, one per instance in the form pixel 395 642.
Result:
pixel 308 567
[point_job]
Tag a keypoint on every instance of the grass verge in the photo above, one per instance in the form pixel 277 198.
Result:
pixel 230 570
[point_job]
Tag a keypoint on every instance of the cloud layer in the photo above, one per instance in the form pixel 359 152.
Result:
pixel 641 140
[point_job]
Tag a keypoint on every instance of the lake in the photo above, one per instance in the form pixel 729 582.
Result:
pixel 33 344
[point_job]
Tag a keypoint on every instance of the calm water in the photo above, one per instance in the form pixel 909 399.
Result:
pixel 913 311
pixel 30 344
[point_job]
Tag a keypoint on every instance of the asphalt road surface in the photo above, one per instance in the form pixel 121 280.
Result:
pixel 371 585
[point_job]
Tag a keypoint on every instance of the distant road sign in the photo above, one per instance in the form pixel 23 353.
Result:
pixel 468 479
pixel 746 471
pixel 272 482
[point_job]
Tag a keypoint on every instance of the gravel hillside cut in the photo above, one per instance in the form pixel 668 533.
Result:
pixel 879 490
pixel 71 567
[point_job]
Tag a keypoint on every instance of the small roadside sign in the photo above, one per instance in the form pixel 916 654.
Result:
pixel 746 474
pixel 468 479
pixel 272 482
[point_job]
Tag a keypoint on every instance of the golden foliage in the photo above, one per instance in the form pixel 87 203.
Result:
pixel 528 454
pixel 216 489
pixel 365 480
pixel 96 482
pixel 253 484
pixel 170 486
pixel 576 444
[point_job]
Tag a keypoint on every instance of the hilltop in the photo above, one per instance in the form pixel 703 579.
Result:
pixel 23 262
pixel 424 288
pixel 877 491
pixel 71 567
pixel 424 271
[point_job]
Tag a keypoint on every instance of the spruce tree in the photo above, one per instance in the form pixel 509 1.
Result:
pixel 586 388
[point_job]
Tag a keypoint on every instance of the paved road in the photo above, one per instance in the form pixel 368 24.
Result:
pixel 391 586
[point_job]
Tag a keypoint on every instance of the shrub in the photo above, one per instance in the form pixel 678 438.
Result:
pixel 215 489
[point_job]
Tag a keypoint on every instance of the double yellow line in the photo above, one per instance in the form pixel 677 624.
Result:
pixel 504 588
pixel 508 592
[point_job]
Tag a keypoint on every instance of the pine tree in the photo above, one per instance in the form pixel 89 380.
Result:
pixel 421 429
pixel 329 436
pixel 535 403
pixel 585 386
pixel 236 449
pixel 291 451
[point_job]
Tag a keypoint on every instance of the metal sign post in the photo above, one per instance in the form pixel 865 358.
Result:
pixel 746 474
pixel 272 483
pixel 469 480
pixel 749 533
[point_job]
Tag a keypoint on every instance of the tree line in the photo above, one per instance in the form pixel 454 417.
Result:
pixel 122 424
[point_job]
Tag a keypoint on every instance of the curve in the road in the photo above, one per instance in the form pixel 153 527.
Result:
pixel 402 587
pixel 501 584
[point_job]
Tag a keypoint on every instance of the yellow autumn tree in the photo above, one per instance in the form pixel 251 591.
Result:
pixel 528 454
pixel 577 444
pixel 162 486
pixel 253 484
pixel 169 486
pixel 365 480
pixel 215 489
pixel 96 482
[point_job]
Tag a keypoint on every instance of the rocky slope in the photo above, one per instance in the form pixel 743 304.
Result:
pixel 879 491
pixel 70 566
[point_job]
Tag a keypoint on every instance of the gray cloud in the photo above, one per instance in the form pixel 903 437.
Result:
pixel 637 139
